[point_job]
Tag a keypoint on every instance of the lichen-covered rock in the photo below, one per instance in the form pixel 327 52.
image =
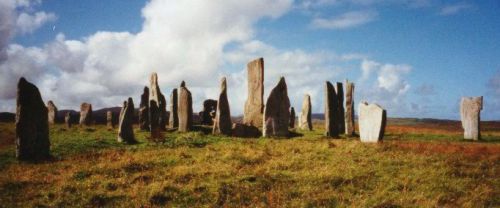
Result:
pixel 331 111
pixel 144 110
pixel 52 112
pixel 32 128
pixel 173 118
pixel 254 105
pixel 470 114
pixel 305 119
pixel 86 114
pixel 349 108
pixel 276 112
pixel 222 124
pixel 125 128
pixel 157 108
pixel 185 109
pixel 372 121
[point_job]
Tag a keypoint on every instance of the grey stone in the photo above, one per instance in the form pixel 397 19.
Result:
pixel 349 108
pixel 222 123
pixel 305 119
pixel 372 121
pixel 470 114
pixel 276 112
pixel 52 112
pixel 245 131
pixel 174 118
pixel 109 120
pixel 67 120
pixel 144 110
pixel 331 111
pixel 185 109
pixel 254 105
pixel 157 108
pixel 32 128
pixel 125 126
pixel 207 115
pixel 86 114
pixel 292 117
pixel 339 89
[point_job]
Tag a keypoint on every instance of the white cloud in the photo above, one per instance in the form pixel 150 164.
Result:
pixel 346 20
pixel 27 23
pixel 454 8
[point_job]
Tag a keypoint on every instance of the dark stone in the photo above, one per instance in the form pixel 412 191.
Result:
pixel 292 117
pixel 173 118
pixel 144 110
pixel 125 128
pixel 331 111
pixel 86 114
pixel 208 113
pixel 276 111
pixel 222 124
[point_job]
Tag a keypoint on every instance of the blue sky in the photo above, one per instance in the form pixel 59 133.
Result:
pixel 414 57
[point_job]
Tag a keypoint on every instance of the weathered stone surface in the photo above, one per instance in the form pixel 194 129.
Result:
pixel 67 120
pixel 207 115
pixel 305 119
pixel 276 112
pixel 144 110
pixel 222 123
pixel 32 128
pixel 245 131
pixel 125 128
pixel 157 108
pixel 339 89
pixel 349 108
pixel 470 114
pixel 372 121
pixel 254 105
pixel 292 117
pixel 331 111
pixel 185 109
pixel 109 120
pixel 52 112
pixel 174 118
pixel 86 114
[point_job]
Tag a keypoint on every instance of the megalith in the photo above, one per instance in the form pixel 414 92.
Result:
pixel 331 111
pixel 292 117
pixel 174 118
pixel 254 104
pixel 349 108
pixel 222 123
pixel 207 115
pixel 276 112
pixel 157 108
pixel 372 121
pixel 86 114
pixel 52 112
pixel 125 126
pixel 144 110
pixel 305 119
pixel 470 114
pixel 32 128
pixel 185 109
pixel 109 120
pixel 339 89
pixel 67 119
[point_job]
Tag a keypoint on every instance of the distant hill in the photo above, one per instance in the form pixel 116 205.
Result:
pixel 7 117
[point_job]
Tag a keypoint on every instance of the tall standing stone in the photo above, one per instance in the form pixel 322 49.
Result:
pixel 144 110
pixel 292 117
pixel 349 108
pixel 254 105
pixel 185 109
pixel 208 113
pixel 157 108
pixel 109 120
pixel 174 118
pixel 67 120
pixel 372 121
pixel 276 112
pixel 339 89
pixel 331 111
pixel 470 114
pixel 86 114
pixel 305 119
pixel 222 124
pixel 32 128
pixel 125 126
pixel 52 112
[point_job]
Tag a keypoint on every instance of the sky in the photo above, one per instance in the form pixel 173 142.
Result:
pixel 415 58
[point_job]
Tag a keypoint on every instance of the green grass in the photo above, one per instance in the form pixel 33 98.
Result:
pixel 91 169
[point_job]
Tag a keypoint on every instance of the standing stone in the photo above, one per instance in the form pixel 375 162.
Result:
pixel 223 124
pixel 292 117
pixel 125 128
pixel 470 114
pixel 174 118
pixel 157 108
pixel 86 114
pixel 52 112
pixel 208 113
pixel 331 111
pixel 349 108
pixel 185 109
pixel 254 105
pixel 109 120
pixel 144 110
pixel 372 121
pixel 67 120
pixel 339 89
pixel 32 128
pixel 305 119
pixel 276 112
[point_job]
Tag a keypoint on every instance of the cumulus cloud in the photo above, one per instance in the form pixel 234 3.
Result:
pixel 346 20
pixel 27 23
pixel 454 8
